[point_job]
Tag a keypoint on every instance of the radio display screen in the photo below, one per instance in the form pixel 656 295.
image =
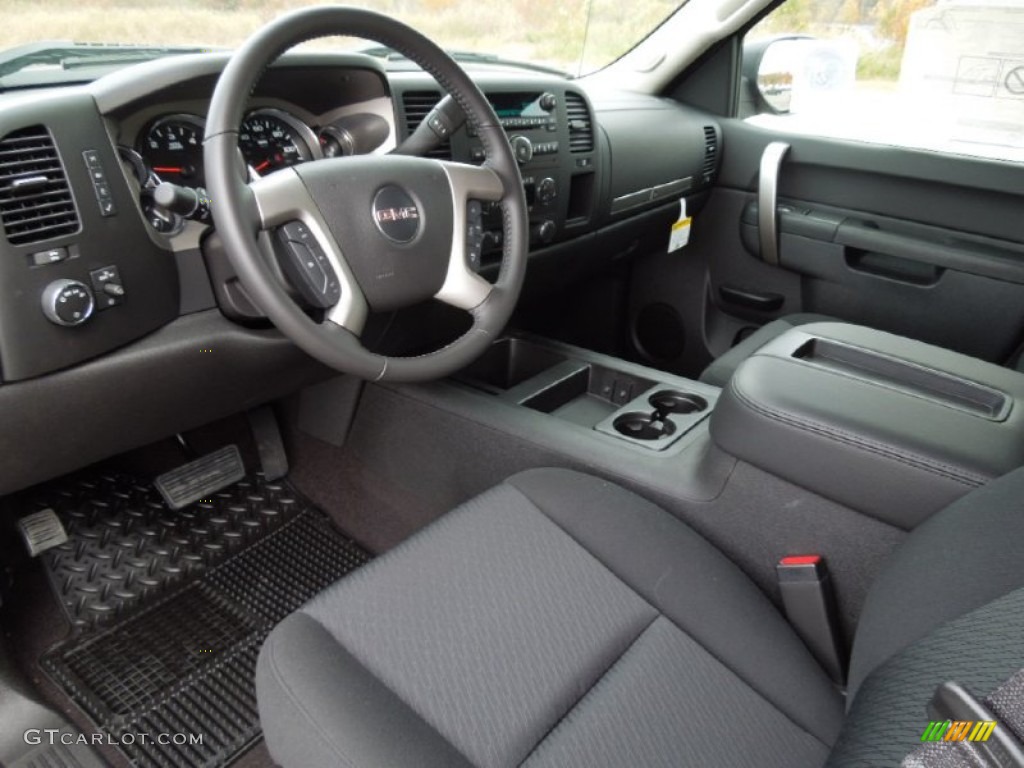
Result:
pixel 512 105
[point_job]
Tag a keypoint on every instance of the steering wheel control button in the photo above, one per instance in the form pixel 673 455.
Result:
pixel 107 285
pixel 396 214
pixel 474 234
pixel 67 302
pixel 100 185
pixel 49 256
pixel 306 266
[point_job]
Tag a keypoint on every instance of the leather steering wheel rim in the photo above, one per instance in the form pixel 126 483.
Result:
pixel 240 210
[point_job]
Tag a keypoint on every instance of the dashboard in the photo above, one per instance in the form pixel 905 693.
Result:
pixel 101 282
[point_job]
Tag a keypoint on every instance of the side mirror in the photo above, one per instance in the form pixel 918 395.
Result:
pixel 783 74
pixel 769 74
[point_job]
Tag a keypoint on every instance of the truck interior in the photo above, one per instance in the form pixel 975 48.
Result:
pixel 404 407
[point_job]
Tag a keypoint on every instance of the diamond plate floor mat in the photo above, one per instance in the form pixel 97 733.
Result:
pixel 170 608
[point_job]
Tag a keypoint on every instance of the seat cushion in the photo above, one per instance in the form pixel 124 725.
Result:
pixel 555 620
pixel 721 370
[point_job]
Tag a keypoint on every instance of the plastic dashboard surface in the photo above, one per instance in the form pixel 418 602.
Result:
pixel 86 263
pixel 582 150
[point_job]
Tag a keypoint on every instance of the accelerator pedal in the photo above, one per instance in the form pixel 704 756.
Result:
pixel 201 478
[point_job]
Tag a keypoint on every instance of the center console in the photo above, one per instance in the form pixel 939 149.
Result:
pixel 891 427
pixel 617 404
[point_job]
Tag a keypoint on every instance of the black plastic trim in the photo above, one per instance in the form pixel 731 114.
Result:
pixel 195 370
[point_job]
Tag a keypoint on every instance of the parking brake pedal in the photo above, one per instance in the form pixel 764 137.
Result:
pixel 201 478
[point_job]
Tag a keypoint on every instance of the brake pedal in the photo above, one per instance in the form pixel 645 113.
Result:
pixel 41 531
pixel 201 478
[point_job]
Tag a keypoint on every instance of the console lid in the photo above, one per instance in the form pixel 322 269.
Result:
pixel 891 427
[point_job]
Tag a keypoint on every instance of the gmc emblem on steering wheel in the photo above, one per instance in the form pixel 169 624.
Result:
pixel 396 215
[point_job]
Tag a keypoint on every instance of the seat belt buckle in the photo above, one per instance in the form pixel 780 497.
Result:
pixel 809 603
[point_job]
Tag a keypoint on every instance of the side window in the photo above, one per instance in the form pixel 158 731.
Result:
pixel 946 76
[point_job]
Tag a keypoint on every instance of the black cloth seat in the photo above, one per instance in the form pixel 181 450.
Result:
pixel 559 620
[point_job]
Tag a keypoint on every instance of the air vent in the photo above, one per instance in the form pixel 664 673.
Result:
pixel 581 128
pixel 35 200
pixel 710 153
pixel 417 106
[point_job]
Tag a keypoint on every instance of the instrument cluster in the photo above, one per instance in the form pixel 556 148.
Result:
pixel 170 149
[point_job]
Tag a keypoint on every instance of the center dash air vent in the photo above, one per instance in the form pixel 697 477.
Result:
pixel 581 127
pixel 417 106
pixel 710 154
pixel 35 200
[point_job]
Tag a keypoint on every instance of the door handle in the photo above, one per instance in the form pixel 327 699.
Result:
pixel 762 302
pixel 767 199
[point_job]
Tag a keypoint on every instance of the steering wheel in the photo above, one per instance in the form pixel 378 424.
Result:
pixel 367 233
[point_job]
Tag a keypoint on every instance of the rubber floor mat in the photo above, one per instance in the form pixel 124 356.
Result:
pixel 171 608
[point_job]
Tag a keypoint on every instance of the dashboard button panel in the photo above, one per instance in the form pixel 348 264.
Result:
pixel 107 286
pixel 49 256
pixel 98 175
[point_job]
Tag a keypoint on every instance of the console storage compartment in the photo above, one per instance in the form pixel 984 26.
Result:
pixel 511 361
pixel 889 426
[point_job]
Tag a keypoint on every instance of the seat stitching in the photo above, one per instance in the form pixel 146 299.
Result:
pixel 376 678
pixel 856 441
pixel 299 706
pixel 614 662
pixel 708 650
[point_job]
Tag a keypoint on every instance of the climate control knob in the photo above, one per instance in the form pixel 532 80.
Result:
pixel 522 148
pixel 68 302
pixel 546 190
pixel 544 232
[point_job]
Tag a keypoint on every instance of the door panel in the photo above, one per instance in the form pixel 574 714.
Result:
pixel 917 243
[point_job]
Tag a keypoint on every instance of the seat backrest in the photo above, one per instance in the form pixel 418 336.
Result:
pixel 949 605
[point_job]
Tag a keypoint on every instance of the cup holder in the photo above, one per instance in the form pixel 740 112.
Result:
pixel 643 426
pixel 670 401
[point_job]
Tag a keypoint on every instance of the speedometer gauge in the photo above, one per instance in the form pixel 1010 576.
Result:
pixel 173 147
pixel 271 139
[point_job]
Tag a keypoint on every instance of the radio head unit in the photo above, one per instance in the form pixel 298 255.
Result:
pixel 525 110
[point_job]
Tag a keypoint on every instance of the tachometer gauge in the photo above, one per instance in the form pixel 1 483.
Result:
pixel 271 139
pixel 173 147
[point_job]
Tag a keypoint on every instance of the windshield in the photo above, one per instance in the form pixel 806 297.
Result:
pixel 572 36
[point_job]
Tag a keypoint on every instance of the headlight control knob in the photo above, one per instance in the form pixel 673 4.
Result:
pixel 68 302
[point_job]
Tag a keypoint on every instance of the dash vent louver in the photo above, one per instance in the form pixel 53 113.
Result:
pixel 35 199
pixel 417 106
pixel 710 153
pixel 581 126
